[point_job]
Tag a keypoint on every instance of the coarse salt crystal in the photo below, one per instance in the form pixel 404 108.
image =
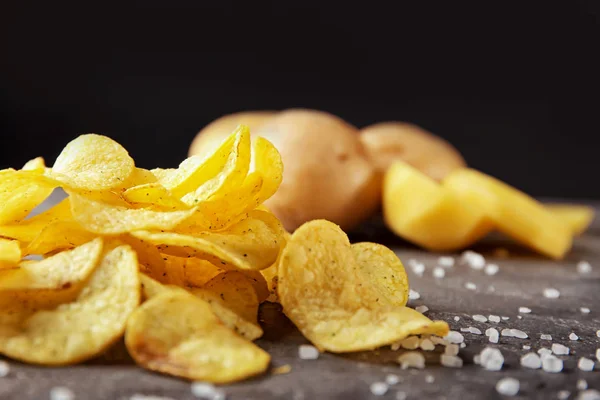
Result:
pixel 545 336
pixel 466 330
pixel 584 267
pixel 505 318
pixel 491 269
pixel 438 340
pixel 524 310
pixel 392 379
pixel 379 388
pixel 508 386
pixel 429 379
pixel 551 293
pixel 412 359
pixel 4 369
pixel 526 347
pixel 519 316
pixel 531 361
pixel 456 319
pixel 585 310
pixel 573 336
pixel 308 352
pixel 479 318
pixel 422 309
pixel 413 295
pixel 544 351
pixel 451 361
pixel 494 318
pixel 427 345
pixel 446 261
pixel 585 364
pixel 598 354
pixel 396 345
pixel 471 286
pixel 454 337
pixel 552 364
pixel 205 390
pixel 563 395
pixel 439 272
pixel 598 333
pixel 474 331
pixel 417 267
pixel 491 359
pixel 463 345
pixel 410 343
pixel 516 333
pixel 560 350
pixel 473 260
pixel 492 334
pixel 61 393
pixel 582 384
pixel 451 350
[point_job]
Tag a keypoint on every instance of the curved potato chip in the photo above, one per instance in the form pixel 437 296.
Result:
pixel 10 253
pixel 152 287
pixel 258 281
pixel 267 162
pixel 248 245
pixel 149 258
pixel 21 192
pixel 324 291
pixel 153 194
pixel 93 162
pixel 36 165
pixel 82 329
pixel 27 230
pixel 232 173
pixel 163 174
pixel 271 277
pixel 140 176
pixel 102 218
pixel 178 334
pixel 59 235
pixel 576 216
pixel 234 290
pixel 198 272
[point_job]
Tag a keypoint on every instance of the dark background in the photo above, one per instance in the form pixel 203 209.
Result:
pixel 515 86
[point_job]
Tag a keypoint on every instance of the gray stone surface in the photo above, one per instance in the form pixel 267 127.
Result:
pixel 520 282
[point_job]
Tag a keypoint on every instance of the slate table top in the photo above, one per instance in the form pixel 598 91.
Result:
pixel 519 283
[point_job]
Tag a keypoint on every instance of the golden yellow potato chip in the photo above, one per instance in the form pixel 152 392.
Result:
pixel 59 235
pixel 149 258
pixel 248 245
pixel 178 334
pixel 258 281
pixel 152 287
pixel 325 292
pixel 21 192
pixel 231 174
pixel 36 165
pixel 198 272
pixel 267 162
pixel 162 174
pixel 10 253
pixel 153 194
pixel 82 329
pixel 576 216
pixel 28 229
pixel 93 162
pixel 271 277
pixel 107 219
pixel 140 176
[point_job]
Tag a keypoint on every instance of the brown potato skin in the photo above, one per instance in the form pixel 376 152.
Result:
pixel 387 142
pixel 211 136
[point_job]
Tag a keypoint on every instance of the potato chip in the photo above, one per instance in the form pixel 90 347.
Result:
pixel 93 162
pixel 198 272
pixel 231 175
pixel 10 253
pixel 325 292
pixel 149 258
pixel 82 329
pixel 102 218
pixel 248 245
pixel 259 283
pixel 153 194
pixel 59 235
pixel 267 162
pixel 152 287
pixel 36 165
pixel 21 192
pixel 140 176
pixel 271 277
pixel 191 342
pixel 576 216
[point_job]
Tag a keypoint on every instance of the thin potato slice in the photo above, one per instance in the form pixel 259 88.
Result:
pixel 10 253
pixel 37 165
pixel 198 272
pixel 140 176
pixel 82 329
pixel 93 162
pixel 153 194
pixel 27 230
pixel 59 235
pixel 325 292
pixel 21 192
pixel 102 218
pixel 234 290
pixel 149 258
pixel 259 283
pixel 267 162
pixel 152 287
pixel 576 216
pixel 178 334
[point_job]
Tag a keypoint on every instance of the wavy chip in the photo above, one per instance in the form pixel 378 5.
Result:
pixel 78 330
pixel 59 235
pixel 10 253
pixel 37 165
pixel 191 342
pixel 325 292
pixel 93 162
pixel 155 195
pixel 21 192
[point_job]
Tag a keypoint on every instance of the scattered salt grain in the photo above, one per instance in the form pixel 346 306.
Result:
pixel 413 295
pixel 379 388
pixel 491 359
pixel 439 272
pixel 597 355
pixel 524 310
pixel 308 352
pixel 585 364
pixel 552 364
pixel 410 343
pixel 545 336
pixel 505 318
pixel 479 318
pixel 392 379
pixel 463 345
pixel 412 359
pixel 519 316
pixel 417 267
pixel 473 260
pixel 531 361
pixel 451 350
pixel 427 345
pixel 450 361
pixel 563 395
pixel 422 309
pixel 400 396
pixel 508 386
pixel 551 293
pixel 598 333
pixel 456 319
pixel 516 333
pixel 429 379
pixel 475 331
pixel 471 286
pixel 585 310
pixel 438 340
pixel 61 393
pixel 584 267
pixel 591 394
pixel 573 336
pixel 494 318
pixel 205 390
pixel 491 269
pixel 446 261
pixel 544 352
pixel 454 337
pixel 4 369
pixel 526 347
pixel 582 384
pixel 560 350
pixel 492 334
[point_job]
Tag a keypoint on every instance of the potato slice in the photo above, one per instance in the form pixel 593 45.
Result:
pixel 178 334
pixel 37 165
pixel 153 195
pixel 325 292
pixel 418 209
pixel 82 329
pixel 59 235
pixel 10 253
pixel 21 192
pixel 576 216
pixel 26 231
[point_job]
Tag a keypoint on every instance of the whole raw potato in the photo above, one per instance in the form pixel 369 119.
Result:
pixel 213 134
pixel 326 172
pixel 387 142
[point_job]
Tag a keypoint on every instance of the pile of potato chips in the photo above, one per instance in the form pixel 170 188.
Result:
pixel 177 261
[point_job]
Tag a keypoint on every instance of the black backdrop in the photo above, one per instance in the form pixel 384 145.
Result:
pixel 514 86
